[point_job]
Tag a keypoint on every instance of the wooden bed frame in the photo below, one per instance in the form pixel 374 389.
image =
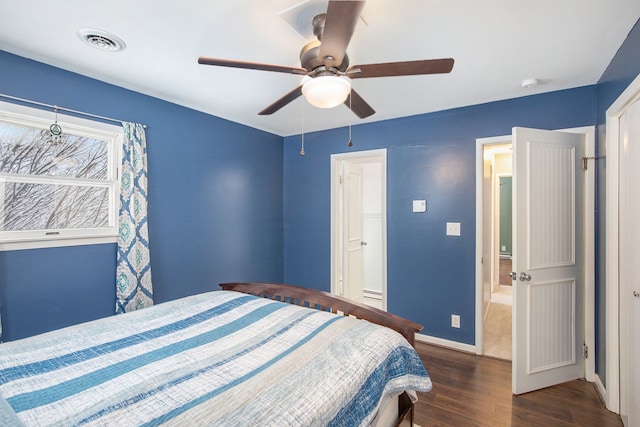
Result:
pixel 325 301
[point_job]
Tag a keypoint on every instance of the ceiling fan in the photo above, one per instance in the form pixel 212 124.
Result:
pixel 325 64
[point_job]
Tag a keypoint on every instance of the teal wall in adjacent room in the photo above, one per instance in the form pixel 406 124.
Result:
pixel 506 216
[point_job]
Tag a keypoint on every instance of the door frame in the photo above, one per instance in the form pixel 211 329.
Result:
pixel 356 156
pixel 611 392
pixel 481 143
pixel 589 238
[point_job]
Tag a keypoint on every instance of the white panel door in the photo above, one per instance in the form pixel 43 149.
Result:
pixel 372 252
pixel 629 254
pixel 353 267
pixel 548 256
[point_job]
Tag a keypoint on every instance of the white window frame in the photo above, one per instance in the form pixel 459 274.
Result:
pixel 33 239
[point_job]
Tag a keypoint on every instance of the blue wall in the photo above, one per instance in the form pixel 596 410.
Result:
pixel 228 202
pixel 432 157
pixel 624 67
pixel 215 207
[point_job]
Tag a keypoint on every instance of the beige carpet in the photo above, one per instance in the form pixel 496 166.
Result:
pixel 497 331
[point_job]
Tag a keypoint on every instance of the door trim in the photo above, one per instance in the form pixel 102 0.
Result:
pixel 335 194
pixel 589 233
pixel 612 325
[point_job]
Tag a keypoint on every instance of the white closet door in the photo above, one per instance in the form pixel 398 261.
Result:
pixel 629 254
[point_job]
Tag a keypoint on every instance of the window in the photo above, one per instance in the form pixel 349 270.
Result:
pixel 56 190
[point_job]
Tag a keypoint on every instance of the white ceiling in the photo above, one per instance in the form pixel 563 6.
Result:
pixel 496 44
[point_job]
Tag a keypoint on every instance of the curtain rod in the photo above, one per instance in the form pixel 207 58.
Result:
pixel 57 107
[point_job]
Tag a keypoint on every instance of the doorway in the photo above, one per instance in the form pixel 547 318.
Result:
pixel 497 255
pixel 359 226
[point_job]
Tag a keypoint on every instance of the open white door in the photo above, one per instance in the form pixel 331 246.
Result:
pixel 548 300
pixel 353 260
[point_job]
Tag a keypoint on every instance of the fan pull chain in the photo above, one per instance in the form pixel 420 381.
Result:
pixel 302 148
pixel 350 143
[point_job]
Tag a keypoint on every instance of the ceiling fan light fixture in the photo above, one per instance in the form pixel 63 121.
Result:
pixel 326 91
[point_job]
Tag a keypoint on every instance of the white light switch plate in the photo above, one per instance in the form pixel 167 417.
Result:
pixel 453 229
pixel 419 205
pixel 455 320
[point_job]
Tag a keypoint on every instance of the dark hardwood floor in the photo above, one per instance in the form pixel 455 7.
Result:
pixel 470 390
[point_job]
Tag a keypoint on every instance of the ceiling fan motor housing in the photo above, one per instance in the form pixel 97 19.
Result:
pixel 310 58
pixel 318 25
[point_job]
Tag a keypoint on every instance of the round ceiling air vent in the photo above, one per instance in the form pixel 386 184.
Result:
pixel 100 39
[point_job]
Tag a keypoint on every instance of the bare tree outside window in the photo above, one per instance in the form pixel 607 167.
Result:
pixel 48 183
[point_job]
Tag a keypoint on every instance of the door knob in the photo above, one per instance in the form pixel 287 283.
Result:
pixel 636 294
pixel 363 243
pixel 524 276
pixel 513 275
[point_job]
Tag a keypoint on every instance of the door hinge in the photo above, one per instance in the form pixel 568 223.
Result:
pixel 585 351
pixel 339 179
pixel 585 159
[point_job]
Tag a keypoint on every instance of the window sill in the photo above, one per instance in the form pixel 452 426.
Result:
pixel 57 242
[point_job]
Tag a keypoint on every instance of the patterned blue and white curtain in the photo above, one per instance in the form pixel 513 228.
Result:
pixel 133 272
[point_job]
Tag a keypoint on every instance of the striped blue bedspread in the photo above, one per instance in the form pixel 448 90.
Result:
pixel 219 358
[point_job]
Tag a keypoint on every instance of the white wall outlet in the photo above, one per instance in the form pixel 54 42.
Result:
pixel 453 229
pixel 419 205
pixel 455 321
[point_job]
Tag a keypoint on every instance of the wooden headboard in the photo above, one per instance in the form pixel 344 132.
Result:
pixel 325 301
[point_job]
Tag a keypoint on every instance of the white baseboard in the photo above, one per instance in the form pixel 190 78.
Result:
pixel 454 345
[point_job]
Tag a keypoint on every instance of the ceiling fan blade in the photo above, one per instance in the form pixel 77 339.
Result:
pixel 341 20
pixel 251 65
pixel 407 68
pixel 282 101
pixel 358 105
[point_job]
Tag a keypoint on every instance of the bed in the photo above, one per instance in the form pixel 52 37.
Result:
pixel 248 354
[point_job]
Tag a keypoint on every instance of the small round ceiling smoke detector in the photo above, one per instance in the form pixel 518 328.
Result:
pixel 100 39
pixel 528 83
